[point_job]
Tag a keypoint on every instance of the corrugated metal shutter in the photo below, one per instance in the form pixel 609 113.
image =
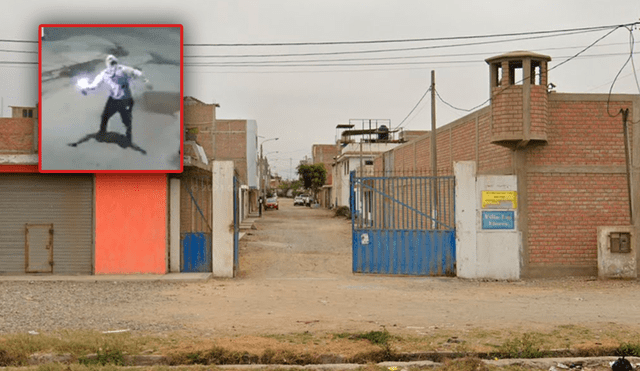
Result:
pixel 66 200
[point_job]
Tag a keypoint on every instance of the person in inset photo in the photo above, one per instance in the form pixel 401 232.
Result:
pixel 118 78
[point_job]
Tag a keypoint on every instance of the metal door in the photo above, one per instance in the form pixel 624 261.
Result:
pixel 195 236
pixel 64 200
pixel 403 225
pixel 38 248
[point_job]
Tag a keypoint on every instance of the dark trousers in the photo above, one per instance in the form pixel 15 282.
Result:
pixel 122 106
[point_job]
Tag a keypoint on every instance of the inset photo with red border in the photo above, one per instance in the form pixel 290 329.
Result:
pixel 110 98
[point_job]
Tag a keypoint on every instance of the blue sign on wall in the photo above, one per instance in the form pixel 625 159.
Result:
pixel 498 220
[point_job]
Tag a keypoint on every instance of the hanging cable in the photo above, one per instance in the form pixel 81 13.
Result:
pixel 583 29
pixel 413 109
pixel 616 78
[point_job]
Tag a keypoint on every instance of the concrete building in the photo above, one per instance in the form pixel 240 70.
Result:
pixel 325 154
pixel 575 196
pixel 355 157
pixel 237 141
pixel 76 223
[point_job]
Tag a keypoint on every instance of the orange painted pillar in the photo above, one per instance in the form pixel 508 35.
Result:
pixel 131 223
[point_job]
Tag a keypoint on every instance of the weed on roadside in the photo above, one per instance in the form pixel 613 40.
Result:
pixel 529 345
pixel 104 357
pixel 628 350
pixel 375 337
pixel 214 356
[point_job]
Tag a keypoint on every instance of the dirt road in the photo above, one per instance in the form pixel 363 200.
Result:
pixel 296 276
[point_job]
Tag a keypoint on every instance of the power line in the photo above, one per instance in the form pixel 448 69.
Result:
pixel 550 69
pixel 17 62
pixel 18 41
pixel 17 51
pixel 467 37
pixel 380 50
pixel 310 63
pixel 413 109
pixel 618 74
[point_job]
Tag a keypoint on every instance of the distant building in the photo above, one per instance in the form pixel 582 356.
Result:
pixel 325 154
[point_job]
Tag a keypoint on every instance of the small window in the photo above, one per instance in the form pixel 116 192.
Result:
pixel 24 113
pixel 536 73
pixel 496 74
pixel 368 162
pixel 30 113
pixel 516 76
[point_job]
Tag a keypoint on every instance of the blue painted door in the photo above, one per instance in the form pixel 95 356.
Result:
pixel 196 252
pixel 403 225
pixel 195 236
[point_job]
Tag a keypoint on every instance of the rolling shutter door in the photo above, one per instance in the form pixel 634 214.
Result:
pixel 64 200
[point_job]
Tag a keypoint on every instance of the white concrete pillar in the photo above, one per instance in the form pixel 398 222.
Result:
pixel 174 225
pixel 466 228
pixel 222 219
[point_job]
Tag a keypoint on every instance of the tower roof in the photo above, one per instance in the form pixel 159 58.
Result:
pixel 518 54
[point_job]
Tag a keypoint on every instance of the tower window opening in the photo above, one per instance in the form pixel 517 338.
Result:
pixel 536 73
pixel 496 75
pixel 516 76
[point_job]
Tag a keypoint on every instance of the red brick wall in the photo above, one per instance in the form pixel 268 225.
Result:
pixel 16 135
pixel 324 154
pixel 582 133
pixel 506 104
pixel 230 143
pixel 455 142
pixel 565 208
pixel 201 117
pixel 539 111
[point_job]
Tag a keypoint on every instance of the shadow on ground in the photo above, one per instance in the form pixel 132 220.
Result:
pixel 110 137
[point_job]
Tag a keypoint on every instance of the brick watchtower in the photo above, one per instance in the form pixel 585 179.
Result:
pixel 519 102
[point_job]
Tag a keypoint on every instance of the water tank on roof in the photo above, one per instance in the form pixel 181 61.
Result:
pixel 383 132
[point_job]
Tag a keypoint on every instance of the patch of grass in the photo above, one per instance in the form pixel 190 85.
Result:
pixel 297 338
pixel 16 349
pixel 343 211
pixel 529 345
pixel 375 337
pixel 214 356
pixel 464 364
pixel 104 357
pixel 628 350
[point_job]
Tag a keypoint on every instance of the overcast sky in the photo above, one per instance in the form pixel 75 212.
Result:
pixel 301 104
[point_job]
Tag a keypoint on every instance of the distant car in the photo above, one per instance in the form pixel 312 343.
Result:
pixel 300 200
pixel 272 203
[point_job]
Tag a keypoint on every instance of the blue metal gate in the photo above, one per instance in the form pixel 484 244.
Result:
pixel 403 225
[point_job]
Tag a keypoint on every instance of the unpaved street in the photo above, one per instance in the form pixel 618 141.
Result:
pixel 295 276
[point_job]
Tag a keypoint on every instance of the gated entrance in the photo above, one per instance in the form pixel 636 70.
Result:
pixel 403 225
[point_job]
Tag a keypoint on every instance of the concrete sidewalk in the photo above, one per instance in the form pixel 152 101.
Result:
pixel 170 277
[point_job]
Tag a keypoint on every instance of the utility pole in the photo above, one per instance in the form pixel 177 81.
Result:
pixel 627 157
pixel 434 152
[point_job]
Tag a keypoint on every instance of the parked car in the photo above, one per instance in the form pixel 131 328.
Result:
pixel 272 203
pixel 300 200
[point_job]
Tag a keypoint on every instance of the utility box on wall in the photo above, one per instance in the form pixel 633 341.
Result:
pixel 616 255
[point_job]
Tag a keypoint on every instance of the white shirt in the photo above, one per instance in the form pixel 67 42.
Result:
pixel 118 79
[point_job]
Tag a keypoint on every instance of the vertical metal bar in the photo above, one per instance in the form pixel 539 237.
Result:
pixel 421 225
pixel 413 203
pixel 404 209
